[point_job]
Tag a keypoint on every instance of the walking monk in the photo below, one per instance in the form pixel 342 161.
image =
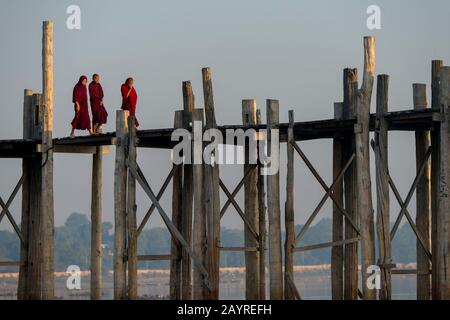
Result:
pixel 81 121
pixel 99 113
pixel 129 98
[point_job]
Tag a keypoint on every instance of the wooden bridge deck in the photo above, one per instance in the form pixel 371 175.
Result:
pixel 408 120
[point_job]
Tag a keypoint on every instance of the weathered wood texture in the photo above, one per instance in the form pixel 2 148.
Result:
pixel 337 252
pixel 131 214
pixel 273 206
pixel 211 178
pixel 176 249
pixel 199 227
pixel 251 208
pixel 350 80
pixel 48 290
pixel 364 191
pixel 96 225
pixel 435 178
pixel 120 206
pixel 187 198
pixel 289 293
pixel 423 199
pixel 262 223
pixel 444 208
pixel 382 187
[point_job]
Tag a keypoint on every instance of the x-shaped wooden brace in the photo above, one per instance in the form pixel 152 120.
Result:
pixel 158 197
pixel 232 201
pixel 140 178
pixel 404 204
pixel 5 208
pixel 328 192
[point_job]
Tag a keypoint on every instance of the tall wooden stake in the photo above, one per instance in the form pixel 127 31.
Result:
pixel 177 185
pixel 337 252
pixel 444 208
pixel 273 207
pixel 120 206
pixel 364 198
pixel 48 291
pixel 199 234
pixel 187 198
pixel 251 209
pixel 435 178
pixel 211 194
pixel 131 214
pixel 382 181
pixel 262 224
pixel 351 250
pixel 96 225
pixel 289 212
pixel 423 199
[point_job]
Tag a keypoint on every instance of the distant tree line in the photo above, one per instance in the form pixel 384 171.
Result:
pixel 72 245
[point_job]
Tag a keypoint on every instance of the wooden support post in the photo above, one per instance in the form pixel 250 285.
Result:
pixel 337 252
pixel 48 290
pixel 251 207
pixel 187 198
pixel 382 182
pixel 131 214
pixel 423 199
pixel 211 194
pixel 120 204
pixel 435 178
pixel 199 229
pixel 444 208
pixel 28 117
pixel 273 207
pixel 289 294
pixel 262 223
pixel 351 249
pixel 96 225
pixel 364 191
pixel 177 185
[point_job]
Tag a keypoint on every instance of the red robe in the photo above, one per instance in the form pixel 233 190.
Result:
pixel 81 121
pixel 129 103
pixel 99 113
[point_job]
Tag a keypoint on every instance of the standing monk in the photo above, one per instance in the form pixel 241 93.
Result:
pixel 81 121
pixel 129 98
pixel 99 113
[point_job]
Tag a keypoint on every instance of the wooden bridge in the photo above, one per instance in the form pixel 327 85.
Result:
pixel 196 210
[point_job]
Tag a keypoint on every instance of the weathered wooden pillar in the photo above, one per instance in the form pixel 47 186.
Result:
pixel 177 186
pixel 423 199
pixel 435 178
pixel 382 182
pixel 444 208
pixel 199 229
pixel 273 206
pixel 47 237
pixel 187 197
pixel 262 222
pixel 131 214
pixel 34 181
pixel 289 212
pixel 28 117
pixel 96 225
pixel 251 208
pixel 337 252
pixel 364 191
pixel 211 194
pixel 120 206
pixel 351 249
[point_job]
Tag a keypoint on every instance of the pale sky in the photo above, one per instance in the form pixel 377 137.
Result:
pixel 293 51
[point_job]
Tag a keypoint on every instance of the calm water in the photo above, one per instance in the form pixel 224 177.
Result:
pixel 311 285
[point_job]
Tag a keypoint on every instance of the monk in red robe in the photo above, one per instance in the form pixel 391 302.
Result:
pixel 99 113
pixel 81 121
pixel 129 98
